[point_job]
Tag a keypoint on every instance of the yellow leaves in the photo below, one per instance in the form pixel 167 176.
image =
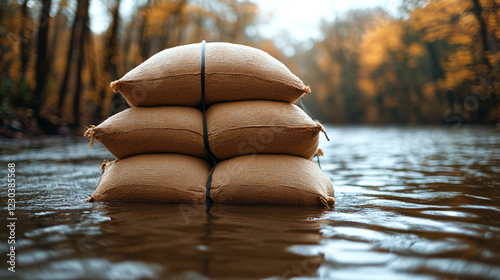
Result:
pixel 321 91
pixel 455 23
pixel 379 42
pixel 376 48
pixel 494 58
pixel 436 19
pixel 368 87
pixel 322 59
pixel 415 49
pixel 429 90
pixel 458 68
pixel 246 8
pixel 335 71
pixel 457 77
pixel 467 24
pixel 461 39
pixel 461 58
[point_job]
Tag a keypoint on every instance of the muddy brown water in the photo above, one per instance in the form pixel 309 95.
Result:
pixel 412 203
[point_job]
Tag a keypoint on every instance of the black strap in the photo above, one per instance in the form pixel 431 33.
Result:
pixel 205 129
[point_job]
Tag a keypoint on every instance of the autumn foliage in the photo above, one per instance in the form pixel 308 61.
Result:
pixel 439 62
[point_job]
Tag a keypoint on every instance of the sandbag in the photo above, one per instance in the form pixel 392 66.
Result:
pixel 154 177
pixel 264 127
pixel 168 129
pixel 232 72
pixel 282 179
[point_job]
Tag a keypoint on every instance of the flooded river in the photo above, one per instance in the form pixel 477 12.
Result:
pixel 412 203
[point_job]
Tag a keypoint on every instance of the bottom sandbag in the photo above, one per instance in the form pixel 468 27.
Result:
pixel 154 177
pixel 282 179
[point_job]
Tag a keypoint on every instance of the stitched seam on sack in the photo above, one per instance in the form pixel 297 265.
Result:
pixel 258 78
pixel 288 187
pixel 148 185
pixel 158 79
pixel 208 74
pixel 142 129
pixel 267 126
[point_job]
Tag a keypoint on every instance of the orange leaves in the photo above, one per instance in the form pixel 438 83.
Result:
pixel 379 42
pixel 323 59
pixel 455 24
pixel 434 19
pixel 458 69
pixel 377 48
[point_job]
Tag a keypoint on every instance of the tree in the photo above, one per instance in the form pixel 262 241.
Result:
pixel 24 41
pixel 79 35
pixel 41 61
pixel 110 60
pixel 84 39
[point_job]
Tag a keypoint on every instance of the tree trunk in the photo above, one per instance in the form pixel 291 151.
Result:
pixel 75 30
pixel 59 23
pixel 144 41
pixel 24 42
pixel 41 62
pixel 84 37
pixel 437 72
pixel 483 29
pixel 110 61
pixel 177 26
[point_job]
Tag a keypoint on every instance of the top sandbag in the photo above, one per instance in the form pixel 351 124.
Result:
pixel 232 72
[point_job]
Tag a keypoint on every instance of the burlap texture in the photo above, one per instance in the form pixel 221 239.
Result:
pixel 232 72
pixel 282 179
pixel 167 129
pixel 154 177
pixel 263 127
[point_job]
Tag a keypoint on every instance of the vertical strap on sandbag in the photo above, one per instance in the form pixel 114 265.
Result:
pixel 205 129
pixel 314 119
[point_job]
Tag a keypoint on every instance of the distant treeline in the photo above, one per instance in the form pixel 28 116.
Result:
pixel 55 72
pixel 439 64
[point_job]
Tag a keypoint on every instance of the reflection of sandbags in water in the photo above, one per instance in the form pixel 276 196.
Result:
pixel 154 177
pixel 169 129
pixel 232 72
pixel 250 240
pixel 225 241
pixel 271 179
pixel 171 235
pixel 264 127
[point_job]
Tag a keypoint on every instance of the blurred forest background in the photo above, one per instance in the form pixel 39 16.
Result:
pixel 438 62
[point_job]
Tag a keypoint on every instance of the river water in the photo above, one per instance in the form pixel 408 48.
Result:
pixel 412 203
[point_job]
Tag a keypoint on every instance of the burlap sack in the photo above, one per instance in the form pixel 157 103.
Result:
pixel 232 72
pixel 264 127
pixel 280 179
pixel 154 177
pixel 169 129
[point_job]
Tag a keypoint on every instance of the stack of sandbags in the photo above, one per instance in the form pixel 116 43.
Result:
pixel 160 155
pixel 241 118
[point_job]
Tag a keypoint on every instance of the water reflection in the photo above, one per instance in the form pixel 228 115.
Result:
pixel 412 203
pixel 222 241
pixel 165 241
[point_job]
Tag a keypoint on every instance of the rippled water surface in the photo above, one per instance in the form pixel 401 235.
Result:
pixel 412 203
